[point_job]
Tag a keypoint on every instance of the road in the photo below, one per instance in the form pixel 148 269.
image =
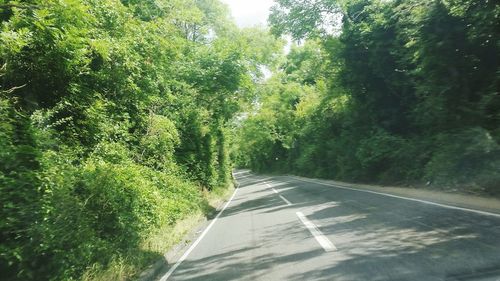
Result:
pixel 282 228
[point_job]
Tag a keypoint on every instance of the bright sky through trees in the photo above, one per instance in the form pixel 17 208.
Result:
pixel 249 12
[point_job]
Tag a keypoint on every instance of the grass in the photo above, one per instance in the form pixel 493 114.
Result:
pixel 160 242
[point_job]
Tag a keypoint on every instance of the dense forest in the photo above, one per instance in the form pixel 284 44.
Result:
pixel 115 123
pixel 118 117
pixel 392 92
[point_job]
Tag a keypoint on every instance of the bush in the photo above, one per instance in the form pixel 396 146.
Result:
pixel 98 211
pixel 19 192
pixel 158 144
pixel 378 153
pixel 468 156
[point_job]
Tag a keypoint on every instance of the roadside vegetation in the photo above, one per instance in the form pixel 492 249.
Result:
pixel 120 120
pixel 392 92
pixel 115 125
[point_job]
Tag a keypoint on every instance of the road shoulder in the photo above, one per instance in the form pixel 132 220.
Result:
pixel 189 229
pixel 479 203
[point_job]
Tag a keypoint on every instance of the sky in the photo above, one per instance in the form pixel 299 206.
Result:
pixel 249 12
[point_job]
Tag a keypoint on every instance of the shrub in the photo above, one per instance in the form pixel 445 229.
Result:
pixel 158 144
pixel 465 156
pixel 19 193
pixel 378 152
pixel 102 209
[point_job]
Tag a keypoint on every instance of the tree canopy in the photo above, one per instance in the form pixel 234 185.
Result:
pixel 401 92
pixel 116 116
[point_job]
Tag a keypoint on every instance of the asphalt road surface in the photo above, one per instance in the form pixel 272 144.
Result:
pixel 283 228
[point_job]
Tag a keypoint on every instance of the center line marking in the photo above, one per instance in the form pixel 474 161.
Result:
pixel 284 199
pixel 322 240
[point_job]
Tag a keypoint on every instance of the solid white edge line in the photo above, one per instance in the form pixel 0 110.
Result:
pixel 284 199
pixel 186 254
pixel 320 237
pixel 405 198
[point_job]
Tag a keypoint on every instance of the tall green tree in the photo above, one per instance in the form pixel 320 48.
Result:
pixel 115 117
pixel 410 92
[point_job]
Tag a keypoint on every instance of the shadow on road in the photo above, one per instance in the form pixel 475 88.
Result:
pixel 378 238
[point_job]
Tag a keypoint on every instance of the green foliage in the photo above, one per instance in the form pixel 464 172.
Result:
pixel 159 143
pixel 115 117
pixel 19 190
pixel 394 92
pixel 470 153
pixel 302 18
pixel 107 204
